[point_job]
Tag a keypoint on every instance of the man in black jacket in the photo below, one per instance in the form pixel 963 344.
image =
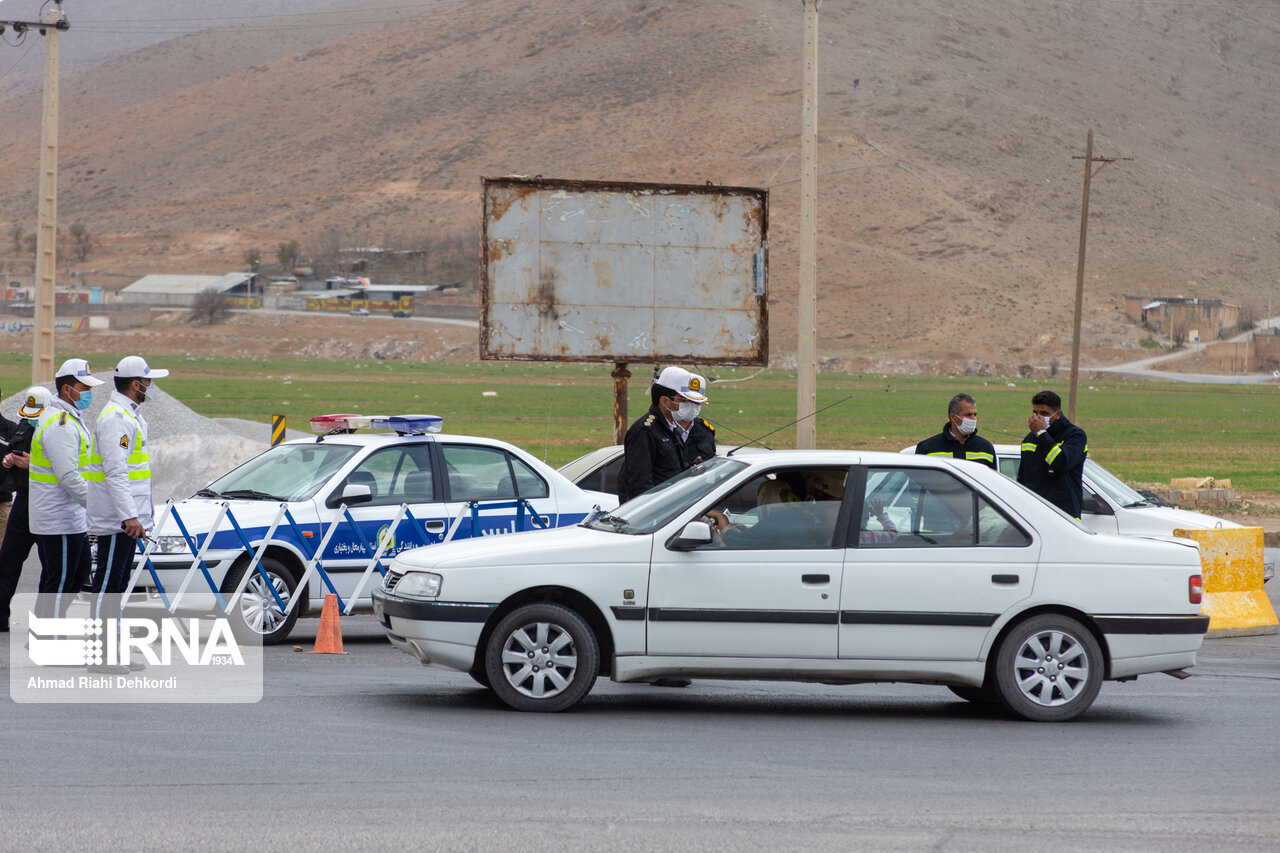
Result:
pixel 18 540
pixel 959 436
pixel 654 451
pixel 1053 455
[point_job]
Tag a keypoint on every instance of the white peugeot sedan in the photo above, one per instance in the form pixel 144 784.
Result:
pixel 823 566
pixel 394 480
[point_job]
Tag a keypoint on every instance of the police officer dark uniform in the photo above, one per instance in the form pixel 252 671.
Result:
pixel 18 539
pixel 653 452
pixel 1053 455
pixel 959 436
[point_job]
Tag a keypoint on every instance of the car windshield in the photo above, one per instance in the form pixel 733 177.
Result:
pixel 649 511
pixel 286 472
pixel 1112 486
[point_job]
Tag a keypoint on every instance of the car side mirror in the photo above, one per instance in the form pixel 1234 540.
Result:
pixel 352 494
pixel 694 535
pixel 1093 506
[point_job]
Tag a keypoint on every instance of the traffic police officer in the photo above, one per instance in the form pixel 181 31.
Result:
pixel 119 477
pixel 1053 455
pixel 58 493
pixel 959 436
pixel 653 451
pixel 18 540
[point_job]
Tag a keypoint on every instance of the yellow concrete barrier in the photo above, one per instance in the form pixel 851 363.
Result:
pixel 1231 562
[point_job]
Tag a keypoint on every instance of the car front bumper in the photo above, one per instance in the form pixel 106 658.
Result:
pixel 436 633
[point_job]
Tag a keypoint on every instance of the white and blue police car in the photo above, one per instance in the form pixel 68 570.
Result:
pixel 434 486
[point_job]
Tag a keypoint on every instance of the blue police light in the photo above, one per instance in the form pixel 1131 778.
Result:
pixel 407 424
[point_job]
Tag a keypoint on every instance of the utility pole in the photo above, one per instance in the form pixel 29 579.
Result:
pixel 1089 160
pixel 47 217
pixel 807 310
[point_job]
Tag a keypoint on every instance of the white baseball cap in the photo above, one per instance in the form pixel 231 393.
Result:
pixel 34 399
pixel 79 368
pixel 135 367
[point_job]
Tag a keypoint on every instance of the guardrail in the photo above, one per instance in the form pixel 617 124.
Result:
pixel 313 562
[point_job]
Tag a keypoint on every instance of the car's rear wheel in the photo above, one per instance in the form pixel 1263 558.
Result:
pixel 542 657
pixel 1049 668
pixel 257 613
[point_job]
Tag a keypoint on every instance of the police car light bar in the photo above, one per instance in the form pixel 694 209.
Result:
pixel 401 424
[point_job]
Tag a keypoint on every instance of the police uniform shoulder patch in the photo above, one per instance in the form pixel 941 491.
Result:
pixel 62 419
pixel 647 421
pixel 124 442
pixel 706 423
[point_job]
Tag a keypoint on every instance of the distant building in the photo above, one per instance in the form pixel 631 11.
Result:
pixel 1195 319
pixel 1266 349
pixel 180 291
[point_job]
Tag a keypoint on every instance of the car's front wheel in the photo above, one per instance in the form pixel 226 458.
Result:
pixel 542 657
pixel 257 612
pixel 1049 668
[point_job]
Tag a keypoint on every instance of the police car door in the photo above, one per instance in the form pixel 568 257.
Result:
pixel 402 473
pixel 492 492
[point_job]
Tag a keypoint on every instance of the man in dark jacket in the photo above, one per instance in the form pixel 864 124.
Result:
pixel 654 451
pixel 959 436
pixel 1053 455
pixel 18 540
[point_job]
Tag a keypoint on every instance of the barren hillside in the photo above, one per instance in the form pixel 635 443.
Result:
pixel 949 203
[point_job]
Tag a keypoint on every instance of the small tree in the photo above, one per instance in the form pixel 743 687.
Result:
pixel 287 254
pixel 208 308
pixel 1178 334
pixel 29 243
pixel 253 259
pixel 82 240
pixel 17 235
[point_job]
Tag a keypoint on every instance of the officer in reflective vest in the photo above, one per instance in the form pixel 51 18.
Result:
pixel 119 478
pixel 57 492
pixel 959 437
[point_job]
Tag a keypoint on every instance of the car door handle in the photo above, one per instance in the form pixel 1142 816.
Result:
pixel 1004 579
pixel 815 578
pixel 435 526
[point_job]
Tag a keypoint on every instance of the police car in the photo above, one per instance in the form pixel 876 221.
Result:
pixel 451 487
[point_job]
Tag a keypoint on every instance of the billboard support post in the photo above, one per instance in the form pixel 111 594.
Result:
pixel 620 376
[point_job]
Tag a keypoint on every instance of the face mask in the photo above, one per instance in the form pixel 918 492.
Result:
pixel 968 426
pixel 142 393
pixel 687 411
pixel 85 401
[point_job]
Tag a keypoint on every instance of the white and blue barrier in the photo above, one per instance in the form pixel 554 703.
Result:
pixel 313 563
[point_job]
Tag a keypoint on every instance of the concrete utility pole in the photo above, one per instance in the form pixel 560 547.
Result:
pixel 42 366
pixel 1089 160
pixel 807 310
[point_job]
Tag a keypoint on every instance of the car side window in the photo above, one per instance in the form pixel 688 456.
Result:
pixel 783 509
pixel 604 478
pixel 1009 466
pixel 916 507
pixel 395 475
pixel 995 528
pixel 478 473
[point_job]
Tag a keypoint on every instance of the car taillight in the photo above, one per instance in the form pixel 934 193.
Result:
pixel 1195 589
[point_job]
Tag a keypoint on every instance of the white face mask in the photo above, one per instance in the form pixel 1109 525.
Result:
pixel 968 426
pixel 687 411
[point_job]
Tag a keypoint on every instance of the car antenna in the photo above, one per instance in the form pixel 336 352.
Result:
pixel 546 443
pixel 793 423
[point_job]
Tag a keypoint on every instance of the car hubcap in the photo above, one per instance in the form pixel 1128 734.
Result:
pixel 258 606
pixel 539 660
pixel 1051 668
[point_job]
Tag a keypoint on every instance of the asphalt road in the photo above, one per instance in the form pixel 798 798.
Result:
pixel 372 751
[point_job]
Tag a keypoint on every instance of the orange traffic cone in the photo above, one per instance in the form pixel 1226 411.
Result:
pixel 329 635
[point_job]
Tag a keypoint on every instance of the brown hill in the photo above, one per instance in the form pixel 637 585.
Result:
pixel 949 203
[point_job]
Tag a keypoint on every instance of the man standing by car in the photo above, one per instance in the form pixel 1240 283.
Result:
pixel 58 492
pixel 654 448
pixel 1053 455
pixel 119 477
pixel 959 436
pixel 17 543
pixel 696 432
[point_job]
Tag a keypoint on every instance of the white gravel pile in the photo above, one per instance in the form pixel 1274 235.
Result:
pixel 188 451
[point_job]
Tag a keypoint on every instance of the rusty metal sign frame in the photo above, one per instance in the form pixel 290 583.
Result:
pixel 706 272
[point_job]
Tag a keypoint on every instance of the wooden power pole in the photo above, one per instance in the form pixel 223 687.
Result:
pixel 1089 160
pixel 42 363
pixel 807 310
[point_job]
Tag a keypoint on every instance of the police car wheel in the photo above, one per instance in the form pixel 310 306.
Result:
pixel 1049 668
pixel 258 615
pixel 542 657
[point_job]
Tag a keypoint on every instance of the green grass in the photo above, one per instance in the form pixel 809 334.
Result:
pixel 1144 431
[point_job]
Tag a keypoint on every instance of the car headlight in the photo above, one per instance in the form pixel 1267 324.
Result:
pixel 419 585
pixel 171 545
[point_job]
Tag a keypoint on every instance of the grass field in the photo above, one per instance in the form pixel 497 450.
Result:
pixel 1144 431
